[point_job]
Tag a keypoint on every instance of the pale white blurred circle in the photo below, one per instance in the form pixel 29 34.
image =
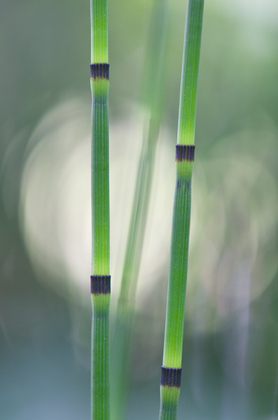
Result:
pixel 233 220
pixel 55 200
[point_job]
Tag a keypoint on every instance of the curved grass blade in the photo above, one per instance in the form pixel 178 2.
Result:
pixel 153 92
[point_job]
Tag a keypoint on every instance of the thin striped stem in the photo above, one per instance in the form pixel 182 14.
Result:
pixel 172 356
pixel 100 289
pixel 173 339
pixel 100 279
pixel 190 70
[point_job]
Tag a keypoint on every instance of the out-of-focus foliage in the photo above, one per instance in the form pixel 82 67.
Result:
pixel 230 349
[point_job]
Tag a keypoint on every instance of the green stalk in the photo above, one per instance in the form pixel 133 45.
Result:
pixel 173 340
pixel 153 97
pixel 100 279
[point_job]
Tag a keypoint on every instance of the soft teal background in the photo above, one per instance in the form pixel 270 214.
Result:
pixel 231 341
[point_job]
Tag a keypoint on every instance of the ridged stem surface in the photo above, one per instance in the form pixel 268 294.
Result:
pixel 174 325
pixel 190 69
pixel 172 356
pixel 100 279
pixel 100 357
pixel 99 31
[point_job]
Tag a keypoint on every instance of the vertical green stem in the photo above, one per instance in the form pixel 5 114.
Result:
pixel 190 69
pixel 100 279
pixel 173 340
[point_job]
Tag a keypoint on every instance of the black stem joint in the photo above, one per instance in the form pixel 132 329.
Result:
pixel 185 152
pixel 99 70
pixel 170 377
pixel 100 284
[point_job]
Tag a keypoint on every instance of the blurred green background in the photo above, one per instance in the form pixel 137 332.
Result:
pixel 230 367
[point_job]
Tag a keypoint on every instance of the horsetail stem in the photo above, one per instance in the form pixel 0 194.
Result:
pixel 173 340
pixel 190 69
pixel 100 279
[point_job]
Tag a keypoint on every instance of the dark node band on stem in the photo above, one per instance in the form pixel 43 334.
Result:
pixel 170 377
pixel 99 70
pixel 185 152
pixel 100 284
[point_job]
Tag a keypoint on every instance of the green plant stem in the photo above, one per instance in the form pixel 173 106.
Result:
pixel 100 279
pixel 190 70
pixel 100 357
pixel 173 339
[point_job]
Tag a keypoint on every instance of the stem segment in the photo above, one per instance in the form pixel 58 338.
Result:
pixel 173 340
pixel 100 280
